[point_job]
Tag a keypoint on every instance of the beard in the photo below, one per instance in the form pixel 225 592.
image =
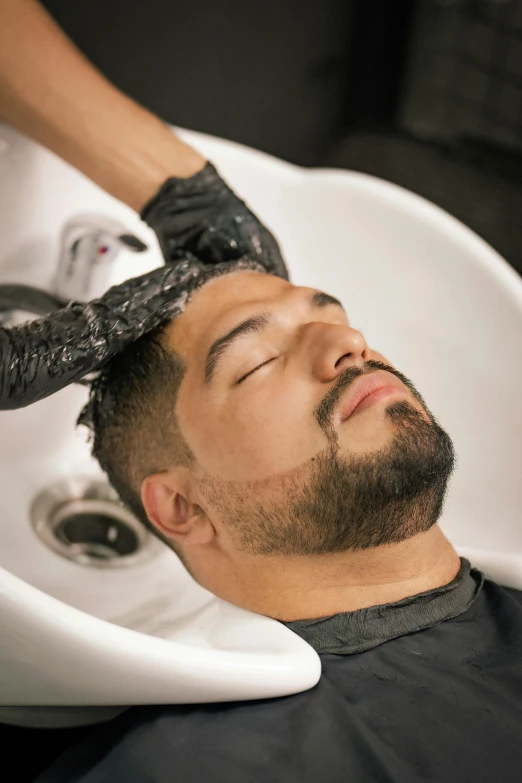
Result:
pixel 338 502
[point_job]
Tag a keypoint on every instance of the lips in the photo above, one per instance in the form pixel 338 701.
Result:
pixel 366 386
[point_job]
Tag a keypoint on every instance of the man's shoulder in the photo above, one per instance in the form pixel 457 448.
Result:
pixel 225 742
pixel 516 594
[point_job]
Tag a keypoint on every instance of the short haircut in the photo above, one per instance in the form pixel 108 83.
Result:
pixel 131 413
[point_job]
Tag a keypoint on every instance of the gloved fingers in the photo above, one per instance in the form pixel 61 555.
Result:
pixel 203 216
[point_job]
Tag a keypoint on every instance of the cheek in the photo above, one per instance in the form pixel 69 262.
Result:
pixel 254 435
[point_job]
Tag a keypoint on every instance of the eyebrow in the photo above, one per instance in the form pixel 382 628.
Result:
pixel 255 323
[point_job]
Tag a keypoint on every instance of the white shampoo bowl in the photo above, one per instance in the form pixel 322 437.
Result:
pixel 78 643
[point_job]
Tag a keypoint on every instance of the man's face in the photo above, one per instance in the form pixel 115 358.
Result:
pixel 271 368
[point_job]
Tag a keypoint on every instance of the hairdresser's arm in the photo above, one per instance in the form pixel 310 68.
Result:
pixel 41 357
pixel 52 93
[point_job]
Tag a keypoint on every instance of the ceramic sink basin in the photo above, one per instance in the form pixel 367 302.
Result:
pixel 78 643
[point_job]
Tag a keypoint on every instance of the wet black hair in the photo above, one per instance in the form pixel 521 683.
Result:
pixel 132 417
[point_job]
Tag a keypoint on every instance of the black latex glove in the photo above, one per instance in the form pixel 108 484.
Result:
pixel 42 356
pixel 203 216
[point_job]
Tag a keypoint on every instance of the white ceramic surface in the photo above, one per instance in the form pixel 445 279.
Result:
pixel 425 291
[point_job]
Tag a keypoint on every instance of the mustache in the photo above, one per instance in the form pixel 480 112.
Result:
pixel 324 411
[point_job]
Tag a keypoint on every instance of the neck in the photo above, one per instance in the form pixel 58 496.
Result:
pixel 305 587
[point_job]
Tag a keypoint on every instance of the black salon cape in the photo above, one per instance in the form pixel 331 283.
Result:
pixel 443 704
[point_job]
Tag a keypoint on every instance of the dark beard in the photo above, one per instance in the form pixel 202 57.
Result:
pixel 335 503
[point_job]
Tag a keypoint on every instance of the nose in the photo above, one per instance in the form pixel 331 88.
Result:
pixel 332 348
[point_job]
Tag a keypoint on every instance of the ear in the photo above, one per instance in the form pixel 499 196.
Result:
pixel 165 497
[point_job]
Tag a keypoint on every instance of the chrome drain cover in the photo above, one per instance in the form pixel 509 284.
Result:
pixel 83 520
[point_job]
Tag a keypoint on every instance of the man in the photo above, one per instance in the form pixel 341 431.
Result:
pixel 242 434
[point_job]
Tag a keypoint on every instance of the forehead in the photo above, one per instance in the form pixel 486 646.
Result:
pixel 218 305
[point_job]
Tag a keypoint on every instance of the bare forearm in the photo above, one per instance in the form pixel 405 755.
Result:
pixel 52 93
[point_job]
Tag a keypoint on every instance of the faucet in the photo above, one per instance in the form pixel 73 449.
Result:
pixel 89 245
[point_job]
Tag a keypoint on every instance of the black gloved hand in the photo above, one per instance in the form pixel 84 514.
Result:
pixel 196 217
pixel 42 356
pixel 203 216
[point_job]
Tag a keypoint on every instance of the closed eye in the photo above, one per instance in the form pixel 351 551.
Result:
pixel 254 370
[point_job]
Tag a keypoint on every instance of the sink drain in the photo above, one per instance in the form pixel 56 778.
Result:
pixel 83 520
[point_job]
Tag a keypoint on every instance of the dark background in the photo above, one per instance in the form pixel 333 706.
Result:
pixel 425 94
